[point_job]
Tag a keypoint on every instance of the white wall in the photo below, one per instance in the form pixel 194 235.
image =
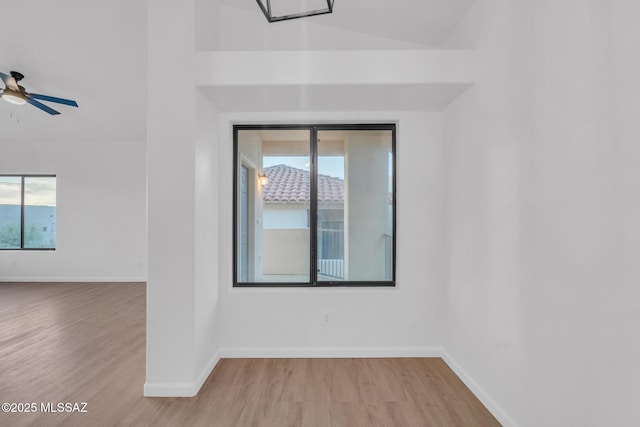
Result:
pixel 250 156
pixel 405 320
pixel 101 210
pixel 171 202
pixel 285 215
pixel 207 311
pixel 542 185
pixel 366 190
pixel 182 303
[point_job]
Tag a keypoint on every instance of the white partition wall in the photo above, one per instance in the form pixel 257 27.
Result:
pixel 542 184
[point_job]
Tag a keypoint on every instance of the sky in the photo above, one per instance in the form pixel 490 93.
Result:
pixel 328 165
pixel 39 191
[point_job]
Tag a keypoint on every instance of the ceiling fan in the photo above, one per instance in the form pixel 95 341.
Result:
pixel 16 94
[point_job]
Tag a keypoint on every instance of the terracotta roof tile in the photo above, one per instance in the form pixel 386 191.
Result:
pixel 288 184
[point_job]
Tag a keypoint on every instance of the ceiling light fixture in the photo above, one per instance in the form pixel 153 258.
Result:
pixel 283 10
pixel 16 94
pixel 14 97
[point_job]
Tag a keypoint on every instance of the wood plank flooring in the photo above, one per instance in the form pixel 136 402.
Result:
pixel 85 342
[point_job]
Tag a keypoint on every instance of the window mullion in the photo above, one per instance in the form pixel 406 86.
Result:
pixel 22 212
pixel 360 252
pixel 313 208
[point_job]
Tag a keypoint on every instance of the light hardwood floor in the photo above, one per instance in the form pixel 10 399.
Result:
pixel 85 342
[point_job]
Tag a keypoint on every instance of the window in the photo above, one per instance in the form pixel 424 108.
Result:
pixel 27 212
pixel 314 205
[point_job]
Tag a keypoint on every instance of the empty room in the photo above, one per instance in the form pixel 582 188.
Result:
pixel 320 213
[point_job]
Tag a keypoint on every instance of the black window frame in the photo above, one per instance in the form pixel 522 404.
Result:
pixel 313 274
pixel 22 209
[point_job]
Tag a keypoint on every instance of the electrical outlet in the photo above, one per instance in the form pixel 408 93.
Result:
pixel 12 264
pixel 326 318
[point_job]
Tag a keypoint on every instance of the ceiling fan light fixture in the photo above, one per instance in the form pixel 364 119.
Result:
pixel 16 94
pixel 14 97
pixel 283 10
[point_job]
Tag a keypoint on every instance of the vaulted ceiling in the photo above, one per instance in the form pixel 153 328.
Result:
pixel 90 51
pixel 95 52
pixel 421 22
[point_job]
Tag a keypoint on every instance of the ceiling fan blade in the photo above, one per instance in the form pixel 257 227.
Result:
pixel 42 106
pixel 9 81
pixel 52 99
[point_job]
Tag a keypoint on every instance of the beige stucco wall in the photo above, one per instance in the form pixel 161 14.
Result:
pixel 286 251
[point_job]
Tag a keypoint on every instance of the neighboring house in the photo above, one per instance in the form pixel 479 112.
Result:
pixel 286 216
pixel 287 197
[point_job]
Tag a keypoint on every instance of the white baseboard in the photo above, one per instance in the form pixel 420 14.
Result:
pixel 329 352
pixel 170 389
pixel 479 392
pixel 206 371
pixel 188 389
pixel 91 279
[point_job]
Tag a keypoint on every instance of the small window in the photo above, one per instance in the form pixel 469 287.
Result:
pixel 314 205
pixel 27 212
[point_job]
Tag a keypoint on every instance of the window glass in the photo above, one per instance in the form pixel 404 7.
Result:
pixel 10 211
pixel 27 212
pixel 39 212
pixel 273 198
pixel 355 209
pixel 314 205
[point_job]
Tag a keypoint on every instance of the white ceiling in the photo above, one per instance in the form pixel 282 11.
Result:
pixel 91 51
pixel 424 22
pixel 95 53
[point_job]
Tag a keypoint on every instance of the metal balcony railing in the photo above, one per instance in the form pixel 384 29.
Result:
pixel 331 253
